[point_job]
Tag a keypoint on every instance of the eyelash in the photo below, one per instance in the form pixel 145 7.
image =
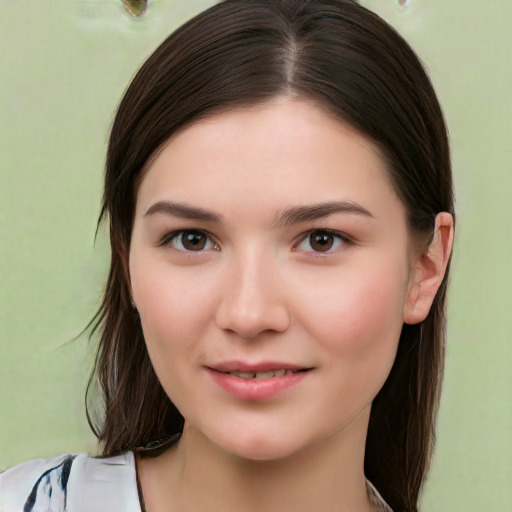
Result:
pixel 177 236
pixel 169 239
pixel 342 240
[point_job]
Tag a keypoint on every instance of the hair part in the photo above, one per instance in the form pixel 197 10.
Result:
pixel 241 53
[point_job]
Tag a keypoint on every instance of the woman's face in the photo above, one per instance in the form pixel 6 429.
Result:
pixel 270 265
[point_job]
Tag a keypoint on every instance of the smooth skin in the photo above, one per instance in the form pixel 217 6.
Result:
pixel 274 234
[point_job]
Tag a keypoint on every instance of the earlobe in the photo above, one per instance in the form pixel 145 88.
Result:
pixel 429 270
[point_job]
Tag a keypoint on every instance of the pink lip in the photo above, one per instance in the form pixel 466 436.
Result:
pixel 264 366
pixel 255 389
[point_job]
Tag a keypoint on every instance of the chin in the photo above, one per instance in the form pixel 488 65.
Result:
pixel 262 448
pixel 262 452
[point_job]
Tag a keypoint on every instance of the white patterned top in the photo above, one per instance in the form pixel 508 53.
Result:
pixel 83 483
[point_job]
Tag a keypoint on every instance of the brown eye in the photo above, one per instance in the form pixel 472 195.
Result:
pixel 190 241
pixel 193 240
pixel 321 241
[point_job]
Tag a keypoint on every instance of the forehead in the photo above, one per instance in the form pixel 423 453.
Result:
pixel 284 152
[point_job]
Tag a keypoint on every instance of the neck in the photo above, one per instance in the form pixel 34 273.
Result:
pixel 196 474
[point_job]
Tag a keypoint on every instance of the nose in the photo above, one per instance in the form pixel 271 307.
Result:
pixel 253 299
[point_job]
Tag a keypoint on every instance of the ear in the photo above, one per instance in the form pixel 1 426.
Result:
pixel 428 271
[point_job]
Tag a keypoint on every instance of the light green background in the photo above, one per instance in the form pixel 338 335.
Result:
pixel 64 65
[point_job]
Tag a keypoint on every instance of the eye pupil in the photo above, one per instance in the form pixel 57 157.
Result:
pixel 193 240
pixel 321 242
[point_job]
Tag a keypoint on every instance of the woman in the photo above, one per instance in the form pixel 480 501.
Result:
pixel 279 194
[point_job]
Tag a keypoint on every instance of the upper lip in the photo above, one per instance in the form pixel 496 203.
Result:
pixel 264 366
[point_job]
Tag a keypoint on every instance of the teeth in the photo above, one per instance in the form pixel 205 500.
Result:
pixel 261 375
pixel 244 375
pixel 265 375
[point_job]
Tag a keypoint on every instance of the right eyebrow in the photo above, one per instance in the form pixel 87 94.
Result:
pixel 183 211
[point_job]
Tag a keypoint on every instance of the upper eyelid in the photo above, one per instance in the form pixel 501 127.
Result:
pixel 171 235
pixel 166 239
pixel 333 232
pixel 346 241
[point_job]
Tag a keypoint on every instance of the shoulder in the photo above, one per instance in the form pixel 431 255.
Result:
pixel 71 482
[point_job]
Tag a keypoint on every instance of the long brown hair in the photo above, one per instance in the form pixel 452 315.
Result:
pixel 240 53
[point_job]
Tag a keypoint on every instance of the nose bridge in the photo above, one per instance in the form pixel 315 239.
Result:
pixel 253 300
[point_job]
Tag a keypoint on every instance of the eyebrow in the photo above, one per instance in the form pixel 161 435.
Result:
pixel 183 211
pixel 289 216
pixel 298 214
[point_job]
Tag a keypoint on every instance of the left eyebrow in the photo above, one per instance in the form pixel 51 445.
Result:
pixel 298 214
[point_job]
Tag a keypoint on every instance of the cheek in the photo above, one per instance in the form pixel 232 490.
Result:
pixel 172 314
pixel 358 335
pixel 358 315
pixel 172 307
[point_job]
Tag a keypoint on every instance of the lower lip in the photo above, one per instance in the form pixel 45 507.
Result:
pixel 255 389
